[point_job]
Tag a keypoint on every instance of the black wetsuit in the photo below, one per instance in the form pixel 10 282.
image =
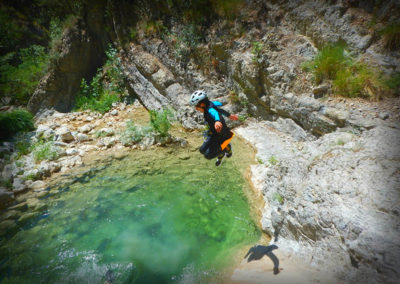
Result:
pixel 211 148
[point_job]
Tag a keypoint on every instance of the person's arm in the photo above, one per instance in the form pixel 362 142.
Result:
pixel 217 125
pixel 224 112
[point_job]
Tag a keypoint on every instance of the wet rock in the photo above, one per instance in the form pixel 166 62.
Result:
pixel 10 214
pixel 20 206
pixel 5 197
pixel 39 184
pixel 26 217
pixel 6 226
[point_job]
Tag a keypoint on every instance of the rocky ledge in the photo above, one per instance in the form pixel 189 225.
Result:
pixel 331 202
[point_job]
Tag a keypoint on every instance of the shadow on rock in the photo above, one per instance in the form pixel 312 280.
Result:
pixel 258 251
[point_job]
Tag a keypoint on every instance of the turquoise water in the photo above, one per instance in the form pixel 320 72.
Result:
pixel 138 220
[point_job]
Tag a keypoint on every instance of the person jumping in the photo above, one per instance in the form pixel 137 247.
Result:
pixel 219 135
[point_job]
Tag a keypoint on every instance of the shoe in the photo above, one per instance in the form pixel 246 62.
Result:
pixel 220 159
pixel 228 151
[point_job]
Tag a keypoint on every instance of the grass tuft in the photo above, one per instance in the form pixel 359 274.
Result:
pixel 349 77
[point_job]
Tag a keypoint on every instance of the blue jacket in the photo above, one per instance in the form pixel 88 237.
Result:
pixel 212 114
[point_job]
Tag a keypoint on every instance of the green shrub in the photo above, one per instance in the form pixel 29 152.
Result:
pixel 19 82
pixel 350 78
pixel 328 62
pixel 15 121
pixel 105 88
pixel 134 133
pixel 101 103
pixel 160 121
pixel 113 72
pixel 44 150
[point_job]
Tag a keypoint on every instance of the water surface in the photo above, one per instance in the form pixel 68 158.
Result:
pixel 170 217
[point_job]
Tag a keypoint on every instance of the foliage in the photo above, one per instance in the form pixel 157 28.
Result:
pixel 242 118
pixel 10 32
pixel 105 88
pixel 160 121
pixel 19 82
pixel 256 50
pixel 391 36
pixel 113 71
pixel 393 83
pixel 272 160
pixel 340 142
pixel 153 28
pixel 350 78
pixel 44 150
pixel 23 146
pixel 228 8
pixel 6 183
pixel 15 121
pixel 99 102
pixel 278 197
pixel 134 133
pixel 328 62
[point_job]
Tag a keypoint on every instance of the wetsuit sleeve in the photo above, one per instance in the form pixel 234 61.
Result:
pixel 214 114
pixel 222 111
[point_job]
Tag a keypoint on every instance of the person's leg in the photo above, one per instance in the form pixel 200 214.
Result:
pixel 228 151
pixel 206 145
pixel 213 150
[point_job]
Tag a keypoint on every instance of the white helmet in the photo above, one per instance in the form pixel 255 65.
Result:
pixel 197 96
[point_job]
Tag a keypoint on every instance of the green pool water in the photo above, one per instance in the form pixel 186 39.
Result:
pixel 165 218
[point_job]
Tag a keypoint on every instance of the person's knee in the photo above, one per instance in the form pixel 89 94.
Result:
pixel 208 155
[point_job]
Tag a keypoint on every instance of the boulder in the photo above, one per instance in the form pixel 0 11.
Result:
pixel 7 173
pixel 65 134
pixel 85 128
pixel 39 184
pixel 18 185
pixel 82 137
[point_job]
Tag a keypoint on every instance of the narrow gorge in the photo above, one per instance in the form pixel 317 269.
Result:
pixel 315 173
